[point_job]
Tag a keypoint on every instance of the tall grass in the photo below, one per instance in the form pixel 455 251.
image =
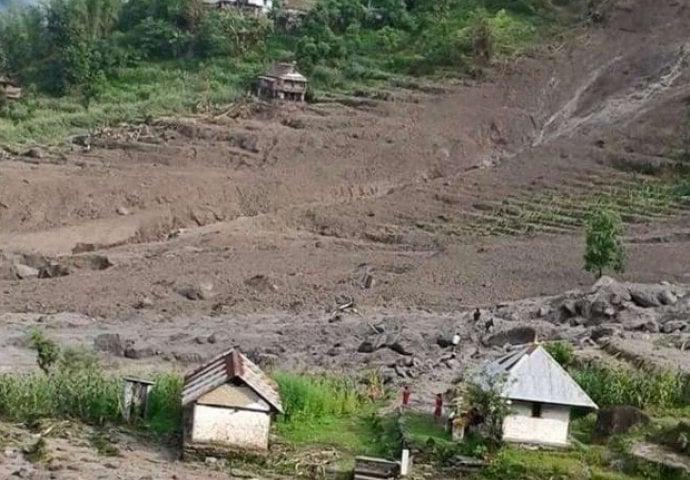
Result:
pixel 639 388
pixel 87 394
pixel 310 398
pixel 164 414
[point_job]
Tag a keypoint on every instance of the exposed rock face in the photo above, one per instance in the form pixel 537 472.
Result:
pixel 619 419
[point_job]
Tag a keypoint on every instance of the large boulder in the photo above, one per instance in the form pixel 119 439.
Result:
pixel 667 297
pixel 673 326
pixel 644 297
pixel 618 419
pixel 515 336
pixel 406 342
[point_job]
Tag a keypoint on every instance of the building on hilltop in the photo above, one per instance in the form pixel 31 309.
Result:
pixel 257 6
pixel 541 394
pixel 284 82
pixel 227 405
pixel 9 89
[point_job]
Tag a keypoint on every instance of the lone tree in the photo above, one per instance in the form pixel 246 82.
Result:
pixel 603 245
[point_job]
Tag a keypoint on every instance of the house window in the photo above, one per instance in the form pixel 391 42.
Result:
pixel 536 410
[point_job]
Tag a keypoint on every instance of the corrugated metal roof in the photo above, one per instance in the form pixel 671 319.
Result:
pixel 532 374
pixel 230 365
pixel 285 70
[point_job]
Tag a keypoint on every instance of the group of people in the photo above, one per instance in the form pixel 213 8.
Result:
pixel 488 327
pixel 438 403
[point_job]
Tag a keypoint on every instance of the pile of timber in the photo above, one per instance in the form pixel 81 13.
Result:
pixel 368 468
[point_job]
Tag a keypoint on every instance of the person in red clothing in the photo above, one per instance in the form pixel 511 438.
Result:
pixel 438 409
pixel 406 397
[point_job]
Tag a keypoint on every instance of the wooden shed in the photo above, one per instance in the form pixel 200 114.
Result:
pixel 228 404
pixel 284 82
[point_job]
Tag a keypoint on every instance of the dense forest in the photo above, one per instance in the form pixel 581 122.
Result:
pixel 85 63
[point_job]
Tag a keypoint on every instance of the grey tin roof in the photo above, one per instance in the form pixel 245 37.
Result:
pixel 230 365
pixel 531 374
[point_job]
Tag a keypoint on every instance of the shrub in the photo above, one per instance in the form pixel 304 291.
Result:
pixel 47 351
pixel 562 352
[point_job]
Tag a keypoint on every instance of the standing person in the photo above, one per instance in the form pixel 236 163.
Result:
pixel 406 393
pixel 489 325
pixel 438 408
pixel 455 342
pixel 477 315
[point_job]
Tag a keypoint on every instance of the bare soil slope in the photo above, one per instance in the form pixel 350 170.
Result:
pixel 436 198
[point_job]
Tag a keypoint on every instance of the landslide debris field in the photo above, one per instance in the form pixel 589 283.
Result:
pixel 361 232
pixel 433 200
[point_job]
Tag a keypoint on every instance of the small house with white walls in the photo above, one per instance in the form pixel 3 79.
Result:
pixel 228 404
pixel 541 394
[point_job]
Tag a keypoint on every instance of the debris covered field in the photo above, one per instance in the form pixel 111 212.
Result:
pixel 359 233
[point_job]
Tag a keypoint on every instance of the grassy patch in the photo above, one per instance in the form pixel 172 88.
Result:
pixel 89 395
pixel 422 429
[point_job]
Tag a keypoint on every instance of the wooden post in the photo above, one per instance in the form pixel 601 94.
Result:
pixel 135 395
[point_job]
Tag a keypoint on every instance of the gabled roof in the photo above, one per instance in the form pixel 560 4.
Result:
pixel 230 365
pixel 285 70
pixel 532 374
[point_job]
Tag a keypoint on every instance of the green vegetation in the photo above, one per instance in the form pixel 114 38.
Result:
pixel 604 248
pixel 562 352
pixel 642 388
pixel 47 351
pixel 331 411
pixel 90 63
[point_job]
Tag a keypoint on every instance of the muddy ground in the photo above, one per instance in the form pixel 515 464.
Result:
pixel 250 227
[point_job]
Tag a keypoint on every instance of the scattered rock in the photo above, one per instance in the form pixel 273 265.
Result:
pixel 366 347
pixel 674 326
pixel 110 343
pixel 35 152
pixel 569 309
pixel 666 297
pixel 401 348
pixel 202 291
pixel 368 281
pixel 53 270
pixel 25 272
pixel 145 302
pixel 188 358
pixel 514 336
pixel 83 248
pixel 261 283
pixel 644 298
pixel 122 211
pixel 603 332
pixel 137 353
pixel 444 342
pixel 651 326
pixel 213 338
pixel 543 311
pixel 617 420
pixel 405 343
